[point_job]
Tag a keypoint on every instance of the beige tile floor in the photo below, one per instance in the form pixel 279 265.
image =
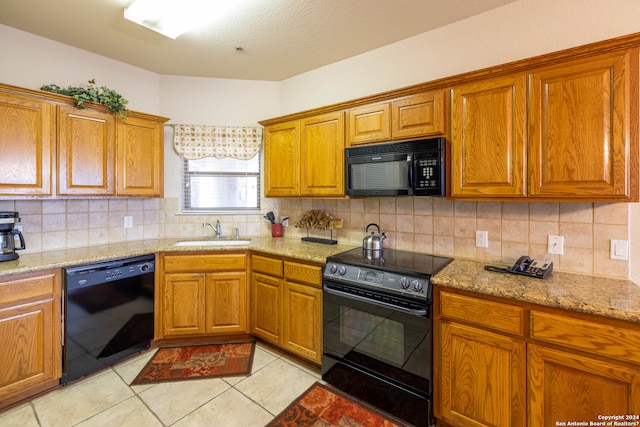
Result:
pixel 106 399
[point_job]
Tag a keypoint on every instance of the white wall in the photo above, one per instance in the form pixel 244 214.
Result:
pixel 31 61
pixel 518 30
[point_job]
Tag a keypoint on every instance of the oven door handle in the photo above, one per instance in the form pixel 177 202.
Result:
pixel 422 312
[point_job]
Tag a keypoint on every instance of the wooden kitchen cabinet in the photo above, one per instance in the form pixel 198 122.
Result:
pixel 580 117
pixel 412 116
pixel 480 372
pixel 203 294
pixel 322 155
pixel 565 387
pixel 282 159
pixel 139 156
pixel 266 298
pixel 369 123
pixel 86 152
pixel 570 139
pixel 419 115
pixel 30 335
pixel 287 305
pixel 588 376
pixel 488 138
pixel 27 145
pixel 101 155
pixel 302 308
pixel 506 363
pixel 305 157
pixel 51 148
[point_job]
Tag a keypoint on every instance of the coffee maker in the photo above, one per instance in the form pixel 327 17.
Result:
pixel 8 235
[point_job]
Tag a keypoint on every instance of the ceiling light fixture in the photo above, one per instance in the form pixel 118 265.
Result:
pixel 173 18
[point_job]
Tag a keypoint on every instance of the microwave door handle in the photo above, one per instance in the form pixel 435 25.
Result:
pixel 411 170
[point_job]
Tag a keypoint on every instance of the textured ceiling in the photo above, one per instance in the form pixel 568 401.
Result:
pixel 280 38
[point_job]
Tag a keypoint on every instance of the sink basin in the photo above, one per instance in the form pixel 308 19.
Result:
pixel 210 242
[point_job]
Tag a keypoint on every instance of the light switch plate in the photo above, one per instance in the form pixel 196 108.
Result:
pixel 555 245
pixel 619 249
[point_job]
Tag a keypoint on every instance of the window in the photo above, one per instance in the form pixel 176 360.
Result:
pixel 221 185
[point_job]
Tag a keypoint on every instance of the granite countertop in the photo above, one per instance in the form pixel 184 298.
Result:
pixel 286 247
pixel 615 298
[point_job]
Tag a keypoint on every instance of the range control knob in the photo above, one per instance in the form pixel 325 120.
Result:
pixel 417 285
pixel 333 269
pixel 404 283
pixel 342 270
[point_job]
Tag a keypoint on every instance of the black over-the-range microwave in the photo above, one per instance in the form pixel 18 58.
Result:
pixel 412 168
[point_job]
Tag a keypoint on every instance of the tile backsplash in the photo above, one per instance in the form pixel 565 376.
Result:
pixel 420 224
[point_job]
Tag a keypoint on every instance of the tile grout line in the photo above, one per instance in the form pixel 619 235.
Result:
pixel 137 395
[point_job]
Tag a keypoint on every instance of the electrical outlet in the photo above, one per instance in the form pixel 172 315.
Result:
pixel 555 245
pixel 619 249
pixel 19 228
pixel 482 239
pixel 128 221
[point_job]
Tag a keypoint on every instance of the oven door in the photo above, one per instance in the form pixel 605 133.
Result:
pixel 379 354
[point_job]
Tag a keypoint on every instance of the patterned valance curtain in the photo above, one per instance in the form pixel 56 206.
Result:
pixel 196 141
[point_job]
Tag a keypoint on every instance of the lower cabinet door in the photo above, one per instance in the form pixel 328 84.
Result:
pixel 267 307
pixel 226 308
pixel 482 377
pixel 567 387
pixel 183 304
pixel 31 349
pixel 302 333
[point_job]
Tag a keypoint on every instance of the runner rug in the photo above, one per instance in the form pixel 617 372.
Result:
pixel 197 362
pixel 322 406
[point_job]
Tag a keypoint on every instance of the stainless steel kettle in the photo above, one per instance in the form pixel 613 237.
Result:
pixel 373 242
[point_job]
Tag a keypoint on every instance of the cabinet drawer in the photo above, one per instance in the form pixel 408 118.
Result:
pixel 270 266
pixel 592 337
pixel 211 262
pixel 27 287
pixel 489 314
pixel 303 273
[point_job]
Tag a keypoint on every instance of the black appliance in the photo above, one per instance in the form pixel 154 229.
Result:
pixel 413 168
pixel 8 235
pixel 377 343
pixel 107 313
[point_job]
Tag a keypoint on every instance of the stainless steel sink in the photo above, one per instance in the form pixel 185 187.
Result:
pixel 213 242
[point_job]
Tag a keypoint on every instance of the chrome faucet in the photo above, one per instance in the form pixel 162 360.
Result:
pixel 217 229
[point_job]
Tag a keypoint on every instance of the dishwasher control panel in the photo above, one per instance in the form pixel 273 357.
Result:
pixel 92 274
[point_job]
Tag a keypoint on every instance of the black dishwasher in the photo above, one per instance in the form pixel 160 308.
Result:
pixel 107 313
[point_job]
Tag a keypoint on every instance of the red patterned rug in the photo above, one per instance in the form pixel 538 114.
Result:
pixel 322 406
pixel 197 362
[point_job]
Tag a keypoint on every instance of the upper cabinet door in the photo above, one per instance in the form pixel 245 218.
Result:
pixel 579 123
pixel 140 157
pixel 282 159
pixel 418 115
pixel 86 152
pixel 369 123
pixel 26 144
pixel 322 154
pixel 488 141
